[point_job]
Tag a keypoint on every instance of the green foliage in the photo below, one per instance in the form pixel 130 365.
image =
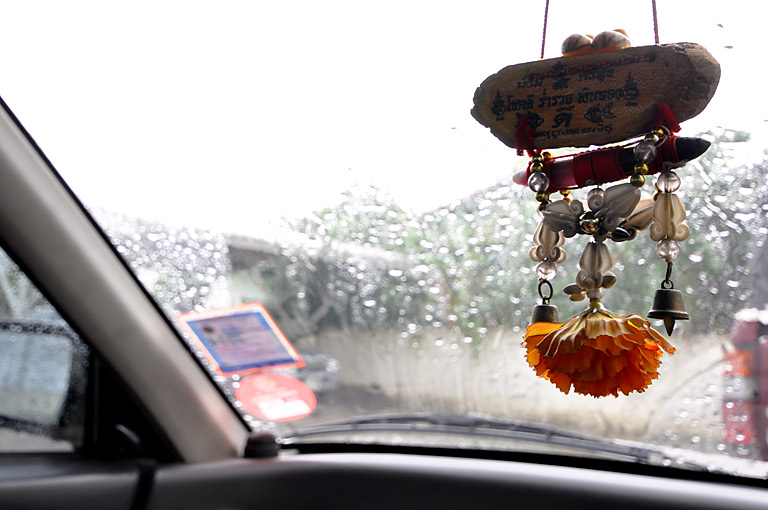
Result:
pixel 180 267
pixel 453 270
pixel 726 206
pixel 464 268
pixel 18 297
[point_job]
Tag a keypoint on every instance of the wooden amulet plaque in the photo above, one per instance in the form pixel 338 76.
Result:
pixel 596 98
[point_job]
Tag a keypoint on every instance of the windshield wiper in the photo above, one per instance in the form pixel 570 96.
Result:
pixel 476 426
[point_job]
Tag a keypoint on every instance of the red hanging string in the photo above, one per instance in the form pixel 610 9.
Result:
pixel 524 136
pixel 544 31
pixel 663 117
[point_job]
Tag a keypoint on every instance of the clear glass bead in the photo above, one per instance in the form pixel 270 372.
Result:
pixel 546 270
pixel 668 182
pixel 668 250
pixel 538 182
pixel 645 152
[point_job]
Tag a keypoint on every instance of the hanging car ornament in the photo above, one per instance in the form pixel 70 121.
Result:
pixel 602 91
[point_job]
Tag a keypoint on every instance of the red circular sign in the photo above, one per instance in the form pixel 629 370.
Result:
pixel 276 397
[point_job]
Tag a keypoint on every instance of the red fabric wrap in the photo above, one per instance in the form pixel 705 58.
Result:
pixel 663 116
pixel 597 166
pixel 524 136
pixel 667 151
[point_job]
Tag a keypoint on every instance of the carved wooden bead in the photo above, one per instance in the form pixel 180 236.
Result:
pixel 610 39
pixel 574 43
pixel 669 219
pixel 640 218
pixel 548 245
pixel 595 265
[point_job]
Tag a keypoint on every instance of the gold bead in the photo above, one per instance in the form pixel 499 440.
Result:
pixel 589 225
pixel 542 196
pixel 537 158
pixel 654 136
pixel 637 180
pixel 537 166
pixel 641 168
pixel 546 155
pixel 565 192
pixel 543 205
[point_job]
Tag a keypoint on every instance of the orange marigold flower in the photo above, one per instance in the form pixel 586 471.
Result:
pixel 596 353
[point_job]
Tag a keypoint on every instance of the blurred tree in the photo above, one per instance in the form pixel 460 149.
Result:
pixel 18 297
pixel 466 265
pixel 463 268
pixel 726 204
pixel 181 267
pixel 759 297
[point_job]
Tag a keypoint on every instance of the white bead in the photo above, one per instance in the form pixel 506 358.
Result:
pixel 538 182
pixel 668 250
pixel 645 152
pixel 546 270
pixel 668 182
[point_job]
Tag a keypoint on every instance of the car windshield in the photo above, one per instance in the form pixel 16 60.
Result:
pixel 303 190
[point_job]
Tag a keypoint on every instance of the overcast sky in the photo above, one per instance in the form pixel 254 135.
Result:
pixel 230 114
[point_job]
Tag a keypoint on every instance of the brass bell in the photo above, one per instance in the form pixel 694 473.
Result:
pixel 668 305
pixel 544 313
